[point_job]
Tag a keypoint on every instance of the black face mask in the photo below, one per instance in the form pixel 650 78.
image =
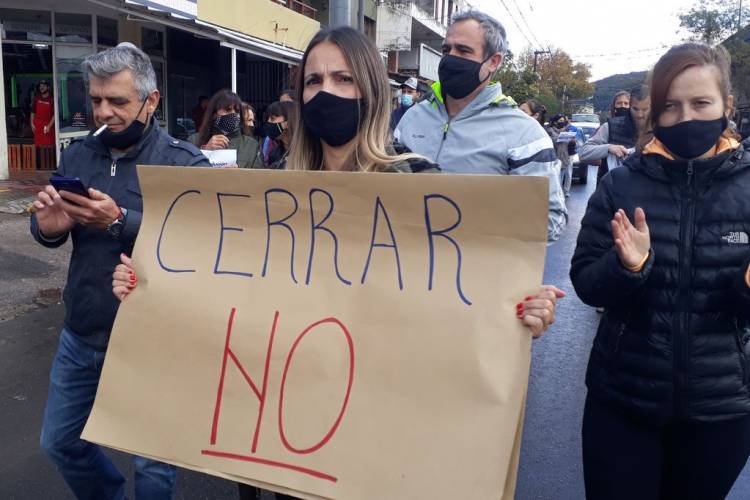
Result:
pixel 332 119
pixel 126 137
pixel 271 130
pixel 622 111
pixel 227 124
pixel 692 138
pixel 561 125
pixel 459 77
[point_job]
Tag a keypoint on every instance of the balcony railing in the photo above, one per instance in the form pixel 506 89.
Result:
pixel 300 8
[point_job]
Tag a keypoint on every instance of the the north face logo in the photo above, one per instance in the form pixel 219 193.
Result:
pixel 736 238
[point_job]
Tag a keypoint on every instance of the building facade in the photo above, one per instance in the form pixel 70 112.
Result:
pixel 196 46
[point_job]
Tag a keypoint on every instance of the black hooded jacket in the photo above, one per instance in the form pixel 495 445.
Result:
pixel 673 342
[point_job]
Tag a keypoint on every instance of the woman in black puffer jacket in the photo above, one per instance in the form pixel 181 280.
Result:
pixel 668 409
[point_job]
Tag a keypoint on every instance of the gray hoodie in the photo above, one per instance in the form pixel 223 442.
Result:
pixel 489 136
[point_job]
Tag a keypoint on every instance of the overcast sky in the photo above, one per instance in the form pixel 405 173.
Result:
pixel 612 36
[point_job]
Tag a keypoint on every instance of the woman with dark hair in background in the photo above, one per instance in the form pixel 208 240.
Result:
pixel 276 134
pixel 667 414
pixel 535 109
pixel 248 119
pixel 221 129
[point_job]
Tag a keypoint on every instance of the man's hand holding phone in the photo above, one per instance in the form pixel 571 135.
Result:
pixel 52 219
pixel 97 210
pixel 66 202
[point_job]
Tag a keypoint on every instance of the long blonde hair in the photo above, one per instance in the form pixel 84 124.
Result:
pixel 374 136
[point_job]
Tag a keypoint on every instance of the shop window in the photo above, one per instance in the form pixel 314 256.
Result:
pixel 106 31
pixel 152 42
pixel 27 25
pixel 73 107
pixel 73 28
pixel 159 72
pixel 29 109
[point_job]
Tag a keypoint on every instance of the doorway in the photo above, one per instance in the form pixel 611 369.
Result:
pixel 29 104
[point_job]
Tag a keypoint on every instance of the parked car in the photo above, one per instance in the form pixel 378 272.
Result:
pixel 585 118
pixel 587 129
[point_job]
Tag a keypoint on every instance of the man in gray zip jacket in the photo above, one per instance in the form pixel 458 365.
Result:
pixel 469 127
pixel 122 88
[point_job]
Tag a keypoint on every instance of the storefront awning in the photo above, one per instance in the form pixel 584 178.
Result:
pixel 180 14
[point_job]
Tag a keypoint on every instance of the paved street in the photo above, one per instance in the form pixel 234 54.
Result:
pixel 29 323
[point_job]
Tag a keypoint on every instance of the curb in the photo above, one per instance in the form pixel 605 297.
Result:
pixel 19 206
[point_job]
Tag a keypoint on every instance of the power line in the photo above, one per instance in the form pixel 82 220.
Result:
pixel 516 22
pixel 625 53
pixel 523 18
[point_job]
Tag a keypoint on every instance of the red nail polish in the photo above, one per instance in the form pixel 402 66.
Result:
pixel 519 314
pixel 519 306
pixel 528 298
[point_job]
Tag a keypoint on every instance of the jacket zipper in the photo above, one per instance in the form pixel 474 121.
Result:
pixel 445 136
pixel 619 336
pixel 112 174
pixel 741 349
pixel 680 337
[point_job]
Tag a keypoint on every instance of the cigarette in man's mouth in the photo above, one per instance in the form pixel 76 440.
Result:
pixel 100 130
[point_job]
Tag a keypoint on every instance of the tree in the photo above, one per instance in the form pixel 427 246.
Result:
pixel 739 49
pixel 711 21
pixel 561 77
pixel 557 79
pixel 517 81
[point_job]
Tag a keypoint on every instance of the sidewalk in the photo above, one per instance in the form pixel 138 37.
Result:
pixel 16 196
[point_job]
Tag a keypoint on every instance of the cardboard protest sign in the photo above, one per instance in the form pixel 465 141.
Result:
pixel 329 335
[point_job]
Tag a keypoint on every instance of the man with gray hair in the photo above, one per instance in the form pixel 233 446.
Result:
pixel 103 222
pixel 470 127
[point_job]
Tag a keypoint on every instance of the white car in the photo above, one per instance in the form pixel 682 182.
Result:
pixel 585 117
pixel 587 128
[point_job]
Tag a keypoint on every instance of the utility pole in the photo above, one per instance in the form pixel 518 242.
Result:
pixel 341 13
pixel 537 53
pixel 361 15
pixel 739 17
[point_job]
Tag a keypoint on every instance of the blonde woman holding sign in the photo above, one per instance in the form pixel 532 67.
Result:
pixel 342 124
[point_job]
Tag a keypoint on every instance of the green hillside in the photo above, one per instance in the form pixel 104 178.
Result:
pixel 606 88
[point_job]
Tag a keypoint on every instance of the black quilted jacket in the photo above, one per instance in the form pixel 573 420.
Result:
pixel 673 342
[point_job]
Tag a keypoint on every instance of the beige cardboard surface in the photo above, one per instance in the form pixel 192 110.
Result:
pixel 317 368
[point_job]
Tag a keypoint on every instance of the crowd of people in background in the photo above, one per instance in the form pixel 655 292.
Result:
pixel 225 121
pixel 663 244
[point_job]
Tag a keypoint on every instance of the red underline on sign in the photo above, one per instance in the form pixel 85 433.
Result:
pixel 271 463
